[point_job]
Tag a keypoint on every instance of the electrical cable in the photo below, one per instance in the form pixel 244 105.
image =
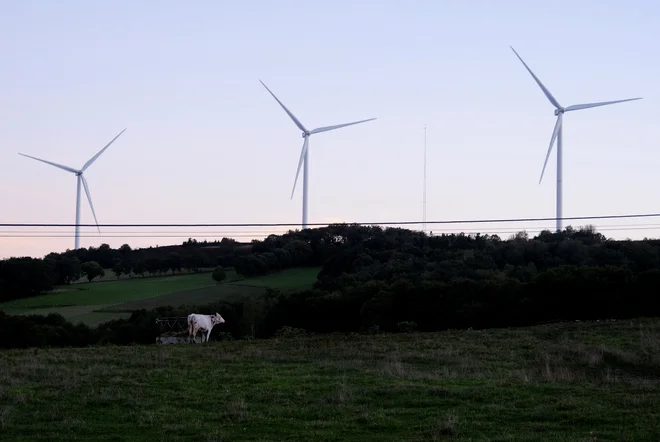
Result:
pixel 383 223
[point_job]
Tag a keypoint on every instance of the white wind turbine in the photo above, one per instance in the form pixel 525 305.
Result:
pixel 557 133
pixel 80 179
pixel 304 154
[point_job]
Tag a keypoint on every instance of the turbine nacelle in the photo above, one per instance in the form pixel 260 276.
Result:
pixel 561 110
pixel 305 134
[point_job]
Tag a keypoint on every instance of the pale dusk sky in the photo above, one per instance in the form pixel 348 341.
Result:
pixel 206 143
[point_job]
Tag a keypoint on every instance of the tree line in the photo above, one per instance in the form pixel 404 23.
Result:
pixel 373 280
pixel 376 278
pixel 393 279
pixel 25 276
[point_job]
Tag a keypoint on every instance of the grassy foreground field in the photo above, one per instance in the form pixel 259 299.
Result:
pixel 570 382
pixel 96 302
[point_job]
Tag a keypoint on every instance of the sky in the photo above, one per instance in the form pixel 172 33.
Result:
pixel 206 143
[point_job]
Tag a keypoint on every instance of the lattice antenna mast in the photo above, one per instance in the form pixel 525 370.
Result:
pixel 424 192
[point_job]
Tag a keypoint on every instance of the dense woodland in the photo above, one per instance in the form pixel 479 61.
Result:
pixel 382 278
pixel 374 279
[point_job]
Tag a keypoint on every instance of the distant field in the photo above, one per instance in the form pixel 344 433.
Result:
pixel 206 295
pixel 583 382
pixel 291 279
pixel 299 278
pixel 96 317
pixel 113 292
pixel 96 302
pixel 109 276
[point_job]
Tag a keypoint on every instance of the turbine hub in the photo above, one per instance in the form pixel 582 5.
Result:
pixel 559 111
pixel 305 134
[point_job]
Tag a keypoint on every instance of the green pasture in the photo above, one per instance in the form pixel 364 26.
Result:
pixel 563 382
pixel 110 276
pixel 299 278
pixel 97 302
pixel 113 292
pixel 201 296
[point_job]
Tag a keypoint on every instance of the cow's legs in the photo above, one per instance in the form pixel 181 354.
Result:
pixel 192 330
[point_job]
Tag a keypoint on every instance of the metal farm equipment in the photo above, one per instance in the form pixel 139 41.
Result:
pixel 172 329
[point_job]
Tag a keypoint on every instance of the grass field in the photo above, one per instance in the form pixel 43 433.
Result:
pixel 571 382
pixel 97 302
pixel 113 292
pixel 206 295
pixel 299 278
pixel 110 276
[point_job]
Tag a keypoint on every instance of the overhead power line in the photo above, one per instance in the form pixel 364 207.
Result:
pixel 381 223
pixel 264 234
pixel 248 233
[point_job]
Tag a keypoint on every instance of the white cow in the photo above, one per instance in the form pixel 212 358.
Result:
pixel 203 323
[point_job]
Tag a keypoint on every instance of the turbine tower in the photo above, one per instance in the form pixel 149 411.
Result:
pixel 558 132
pixel 80 179
pixel 304 153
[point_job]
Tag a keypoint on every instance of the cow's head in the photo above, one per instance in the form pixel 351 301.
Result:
pixel 217 319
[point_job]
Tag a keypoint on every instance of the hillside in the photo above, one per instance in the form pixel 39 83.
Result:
pixel 100 301
pixel 369 277
pixel 563 382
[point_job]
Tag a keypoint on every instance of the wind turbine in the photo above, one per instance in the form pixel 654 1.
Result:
pixel 558 132
pixel 80 179
pixel 304 153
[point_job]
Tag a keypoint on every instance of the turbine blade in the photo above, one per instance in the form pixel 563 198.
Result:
pixel 327 128
pixel 89 198
pixel 91 160
pixel 543 88
pixel 602 103
pixel 552 142
pixel 293 117
pixel 67 168
pixel 302 156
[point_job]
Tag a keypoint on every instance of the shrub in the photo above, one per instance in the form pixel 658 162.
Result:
pixel 50 330
pixel 407 326
pixel 219 274
pixel 287 332
pixel 224 336
pixel 91 270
